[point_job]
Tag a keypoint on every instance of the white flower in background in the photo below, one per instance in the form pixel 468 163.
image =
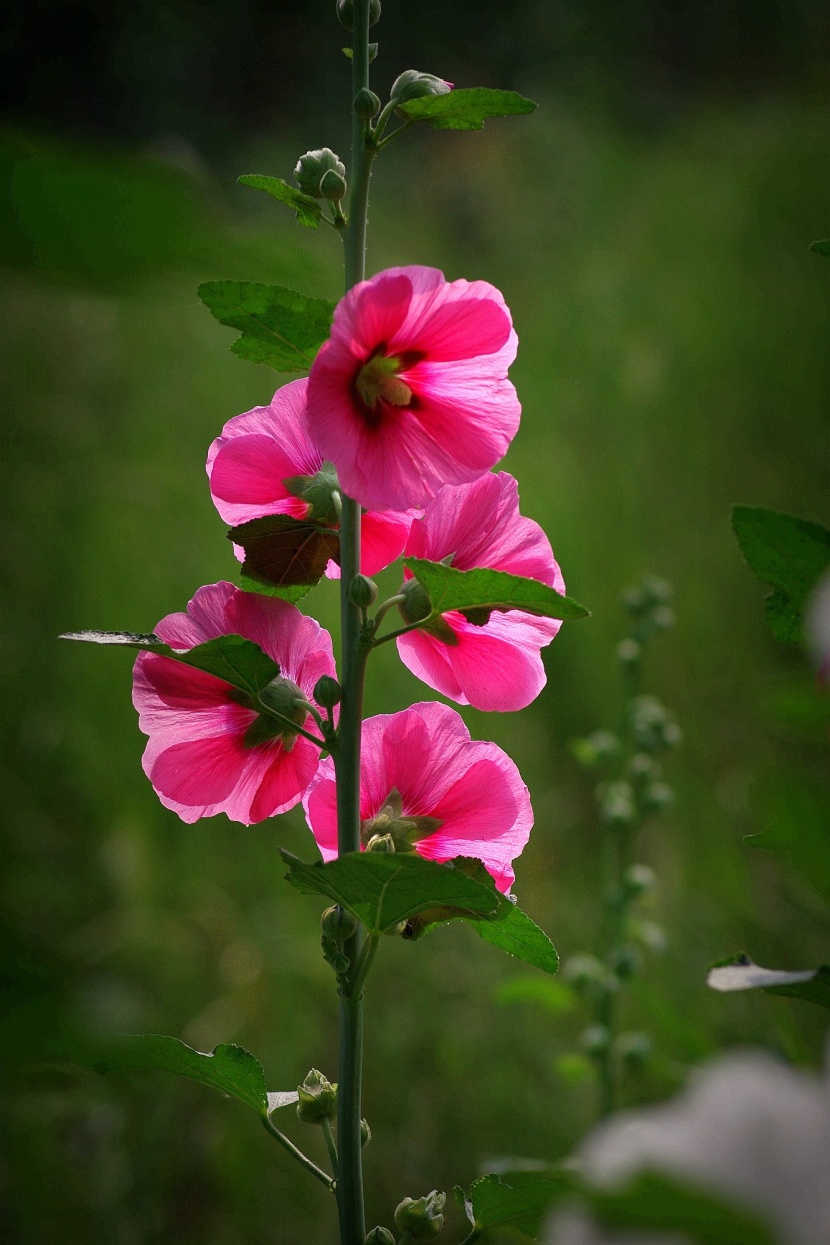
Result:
pixel 747 1129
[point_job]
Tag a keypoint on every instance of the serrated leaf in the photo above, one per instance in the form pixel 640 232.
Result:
pixel 232 658
pixel 230 1069
pixel 518 1199
pixel 789 554
pixel 466 109
pixel 279 326
pixel 286 553
pixel 308 210
pixel 740 973
pixel 384 890
pixel 822 247
pixel 483 590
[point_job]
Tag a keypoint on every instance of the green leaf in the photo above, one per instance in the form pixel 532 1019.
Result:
pixel 740 973
pixel 822 247
pixel 238 661
pixel 466 109
pixel 230 1069
pixel 519 1199
pixel 384 890
pixel 654 1203
pixel 287 554
pixel 787 553
pixel 278 326
pixel 483 590
pixel 308 210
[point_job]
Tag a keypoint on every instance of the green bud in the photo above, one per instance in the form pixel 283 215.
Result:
pixel 345 12
pixel 595 1040
pixel 363 592
pixel 365 1133
pixel 643 768
pixel 651 725
pixel 656 591
pixel 629 652
pixel 379 1236
pixel 338 923
pixel 616 803
pixel 327 692
pixel 596 748
pixel 332 186
pixel 311 168
pixel 287 700
pixel 634 1049
pixel 652 936
pixel 416 604
pixel 637 879
pixel 381 843
pixel 663 618
pixel 589 976
pixel 421 1217
pixel 318 1099
pixel 412 84
pixel 626 962
pixel 366 104
pixel 657 796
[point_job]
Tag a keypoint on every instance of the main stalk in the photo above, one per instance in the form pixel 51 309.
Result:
pixel 352 665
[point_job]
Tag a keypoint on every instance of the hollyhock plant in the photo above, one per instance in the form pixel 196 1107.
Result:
pixel 433 790
pixel 208 750
pixel 266 462
pixel 410 392
pixel 494 665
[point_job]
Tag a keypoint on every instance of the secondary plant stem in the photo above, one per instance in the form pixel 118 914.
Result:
pixel 298 1154
pixel 354 650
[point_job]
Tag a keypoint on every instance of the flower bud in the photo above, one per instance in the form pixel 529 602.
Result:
pixel 345 12
pixel 412 84
pixel 381 843
pixel 327 692
pixel 338 923
pixel 616 803
pixel 596 748
pixel 317 1099
pixel 421 1217
pixel 657 796
pixel 656 591
pixel 332 186
pixel 312 167
pixel 638 878
pixel 626 961
pixel 629 652
pixel 589 976
pixel 379 1236
pixel 416 604
pixel 633 1049
pixel 663 618
pixel 365 1133
pixel 363 591
pixel 643 768
pixel 366 104
pixel 595 1040
pixel 651 725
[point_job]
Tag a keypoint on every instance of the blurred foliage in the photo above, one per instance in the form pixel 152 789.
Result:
pixel 673 361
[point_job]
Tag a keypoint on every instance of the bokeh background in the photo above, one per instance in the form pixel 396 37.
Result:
pixel 649 226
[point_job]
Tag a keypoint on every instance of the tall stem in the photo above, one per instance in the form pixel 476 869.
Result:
pixel 352 667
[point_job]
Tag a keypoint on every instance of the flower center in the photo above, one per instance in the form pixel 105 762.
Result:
pixel 378 381
pixel 285 698
pixel 389 830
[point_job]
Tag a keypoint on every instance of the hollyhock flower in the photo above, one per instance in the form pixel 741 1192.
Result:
pixel 266 462
pixel 209 751
pixel 431 788
pixel 496 665
pixel 410 392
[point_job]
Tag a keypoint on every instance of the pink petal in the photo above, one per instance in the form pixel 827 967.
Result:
pixel 199 771
pixel 428 658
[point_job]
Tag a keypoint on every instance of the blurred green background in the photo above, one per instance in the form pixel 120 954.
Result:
pixel 649 227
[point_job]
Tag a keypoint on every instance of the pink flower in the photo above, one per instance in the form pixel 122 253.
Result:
pixel 208 751
pixel 496 666
pixel 266 462
pixel 410 392
pixel 432 788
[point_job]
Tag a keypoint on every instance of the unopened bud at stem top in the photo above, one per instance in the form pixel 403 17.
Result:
pixel 312 168
pixel 379 1236
pixel 317 1098
pixel 345 12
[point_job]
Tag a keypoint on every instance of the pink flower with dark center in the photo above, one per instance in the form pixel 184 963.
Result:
pixel 209 751
pixel 493 664
pixel 266 462
pixel 433 790
pixel 410 392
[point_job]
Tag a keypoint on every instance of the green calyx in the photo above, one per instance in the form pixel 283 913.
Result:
pixel 412 84
pixel 390 831
pixel 421 1217
pixel 318 491
pixel 317 1099
pixel 378 380
pixel 312 168
pixel 416 607
pixel 286 699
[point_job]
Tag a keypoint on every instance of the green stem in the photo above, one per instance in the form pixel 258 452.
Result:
pixel 354 651
pixel 325 1124
pixel 298 1154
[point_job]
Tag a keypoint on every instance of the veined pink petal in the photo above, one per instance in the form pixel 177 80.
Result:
pixel 451 344
pixel 496 666
pixel 196 755
pixel 426 754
